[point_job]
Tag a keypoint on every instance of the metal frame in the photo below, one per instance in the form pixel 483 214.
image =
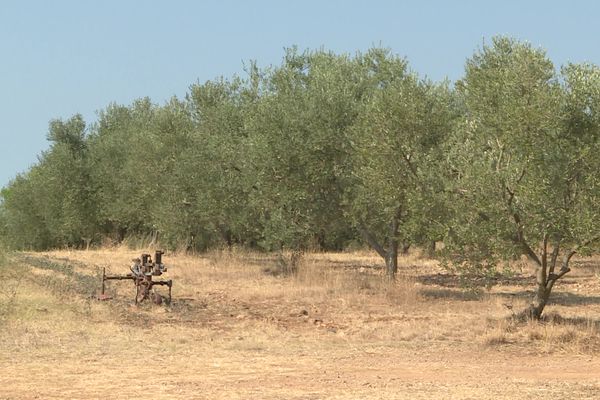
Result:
pixel 142 272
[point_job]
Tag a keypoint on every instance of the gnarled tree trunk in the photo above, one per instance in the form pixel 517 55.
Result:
pixel 391 259
pixel 546 278
pixel 390 252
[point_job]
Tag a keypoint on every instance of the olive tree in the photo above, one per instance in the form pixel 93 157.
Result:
pixel 209 183
pixel 119 144
pixel 524 164
pixel 300 151
pixel 397 142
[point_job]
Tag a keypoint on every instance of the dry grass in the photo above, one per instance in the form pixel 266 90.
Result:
pixel 552 335
pixel 335 329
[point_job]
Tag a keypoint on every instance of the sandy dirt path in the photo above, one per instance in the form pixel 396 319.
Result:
pixel 256 375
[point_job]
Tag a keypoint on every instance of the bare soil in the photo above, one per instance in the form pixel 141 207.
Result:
pixel 336 330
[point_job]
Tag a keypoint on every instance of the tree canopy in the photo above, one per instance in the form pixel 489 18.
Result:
pixel 327 150
pixel 524 161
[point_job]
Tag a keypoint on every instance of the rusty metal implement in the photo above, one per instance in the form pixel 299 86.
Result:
pixel 143 269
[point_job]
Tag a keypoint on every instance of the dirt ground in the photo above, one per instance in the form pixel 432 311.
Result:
pixel 335 330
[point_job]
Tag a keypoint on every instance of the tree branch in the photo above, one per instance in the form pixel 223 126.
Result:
pixel 564 269
pixel 411 167
pixel 368 236
pixel 529 252
pixel 520 239
pixel 554 256
pixel 587 242
pixel 406 158
pixel 545 251
pixel 395 223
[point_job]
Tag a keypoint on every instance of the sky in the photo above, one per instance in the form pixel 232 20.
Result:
pixel 62 57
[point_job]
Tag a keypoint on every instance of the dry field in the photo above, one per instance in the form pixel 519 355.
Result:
pixel 336 330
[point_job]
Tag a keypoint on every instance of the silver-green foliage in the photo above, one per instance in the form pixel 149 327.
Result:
pixel 523 162
pixel 300 147
pixel 53 203
pixel 395 194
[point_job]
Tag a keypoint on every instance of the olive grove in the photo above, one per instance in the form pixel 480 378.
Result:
pixel 330 150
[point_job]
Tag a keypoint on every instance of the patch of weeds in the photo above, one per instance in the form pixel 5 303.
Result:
pixel 477 277
pixel 10 281
pixel 286 264
pixel 63 280
pixel 501 332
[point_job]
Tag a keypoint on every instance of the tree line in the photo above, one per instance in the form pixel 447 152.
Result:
pixel 327 150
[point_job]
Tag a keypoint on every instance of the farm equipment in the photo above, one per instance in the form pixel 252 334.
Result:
pixel 143 270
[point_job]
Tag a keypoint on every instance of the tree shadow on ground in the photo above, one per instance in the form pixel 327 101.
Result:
pixel 588 265
pixel 462 288
pixel 581 322
pixel 572 299
pixel 448 280
pixel 565 299
pixel 451 294
pixel 356 265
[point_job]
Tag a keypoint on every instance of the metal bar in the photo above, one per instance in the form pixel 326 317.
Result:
pixel 117 277
pixel 170 285
pixel 162 283
pixel 141 274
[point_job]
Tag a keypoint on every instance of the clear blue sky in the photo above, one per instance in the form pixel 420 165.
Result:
pixel 63 57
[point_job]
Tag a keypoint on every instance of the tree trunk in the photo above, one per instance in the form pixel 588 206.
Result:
pixel 431 249
pixel 389 254
pixel 226 236
pixel 391 260
pixel 405 248
pixel 536 308
pixel 120 234
pixel 546 278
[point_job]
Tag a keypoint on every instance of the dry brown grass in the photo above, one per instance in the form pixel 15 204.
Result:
pixel 336 329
